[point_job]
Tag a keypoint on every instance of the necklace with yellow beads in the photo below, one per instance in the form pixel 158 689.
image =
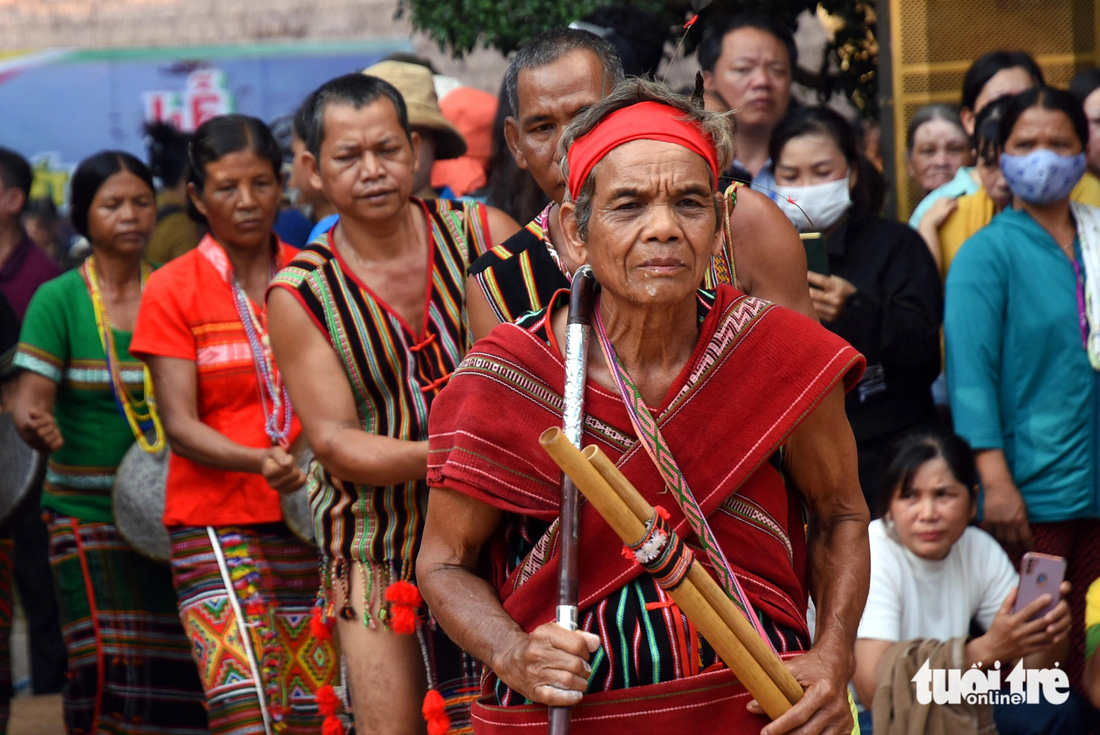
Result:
pixel 141 414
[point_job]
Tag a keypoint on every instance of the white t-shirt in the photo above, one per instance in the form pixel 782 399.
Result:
pixel 911 597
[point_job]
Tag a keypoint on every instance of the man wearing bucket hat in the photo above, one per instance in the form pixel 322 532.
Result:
pixel 439 138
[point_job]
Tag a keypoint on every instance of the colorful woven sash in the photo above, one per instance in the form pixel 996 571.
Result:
pixel 655 445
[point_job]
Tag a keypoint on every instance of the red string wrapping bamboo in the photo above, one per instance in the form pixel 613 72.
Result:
pixel 706 584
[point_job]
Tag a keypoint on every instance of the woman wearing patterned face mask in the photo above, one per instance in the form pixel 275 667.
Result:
pixel 1023 347
pixel 883 291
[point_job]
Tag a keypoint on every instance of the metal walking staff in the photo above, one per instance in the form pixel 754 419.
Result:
pixel 576 357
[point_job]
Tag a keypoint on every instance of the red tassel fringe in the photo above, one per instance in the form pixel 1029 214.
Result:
pixel 320 629
pixel 435 713
pixel 327 701
pixel 404 599
pixel 332 726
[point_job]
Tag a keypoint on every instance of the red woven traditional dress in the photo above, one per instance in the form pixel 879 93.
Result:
pixel 757 372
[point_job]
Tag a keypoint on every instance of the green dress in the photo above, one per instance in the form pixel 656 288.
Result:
pixel 59 341
pixel 130 663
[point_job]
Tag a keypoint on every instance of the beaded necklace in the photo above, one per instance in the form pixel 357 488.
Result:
pixel 142 414
pixel 273 395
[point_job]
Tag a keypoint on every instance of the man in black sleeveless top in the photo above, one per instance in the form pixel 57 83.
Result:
pixel 366 325
pixel 549 81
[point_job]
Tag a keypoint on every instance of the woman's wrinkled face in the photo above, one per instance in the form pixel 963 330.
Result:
pixel 940 147
pixel 653 228
pixel 240 199
pixel 931 514
pixel 122 214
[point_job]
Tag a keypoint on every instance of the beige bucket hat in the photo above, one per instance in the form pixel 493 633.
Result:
pixel 414 82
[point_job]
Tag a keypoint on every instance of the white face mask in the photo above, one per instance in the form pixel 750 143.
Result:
pixel 824 204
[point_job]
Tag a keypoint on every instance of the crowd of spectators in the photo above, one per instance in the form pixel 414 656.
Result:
pixel 976 420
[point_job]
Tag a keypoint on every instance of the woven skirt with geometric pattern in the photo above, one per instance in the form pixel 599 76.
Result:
pixel 130 669
pixel 263 580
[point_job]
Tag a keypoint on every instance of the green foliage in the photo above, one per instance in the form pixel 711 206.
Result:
pixel 500 24
pixel 849 65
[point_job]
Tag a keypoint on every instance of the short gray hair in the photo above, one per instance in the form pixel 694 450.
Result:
pixel 631 92
pixel 549 47
pixel 928 113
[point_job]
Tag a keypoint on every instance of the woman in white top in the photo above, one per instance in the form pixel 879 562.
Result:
pixel 933 574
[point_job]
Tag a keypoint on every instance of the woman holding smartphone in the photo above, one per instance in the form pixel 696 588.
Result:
pixel 883 291
pixel 933 575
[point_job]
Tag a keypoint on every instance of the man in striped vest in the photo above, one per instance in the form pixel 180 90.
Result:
pixel 367 323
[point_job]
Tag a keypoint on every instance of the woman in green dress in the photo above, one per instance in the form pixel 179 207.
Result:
pixel 84 398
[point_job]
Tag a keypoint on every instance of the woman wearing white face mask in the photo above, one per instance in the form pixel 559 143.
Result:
pixel 1023 347
pixel 883 291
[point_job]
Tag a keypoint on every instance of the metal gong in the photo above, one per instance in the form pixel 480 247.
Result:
pixel 297 513
pixel 21 472
pixel 138 499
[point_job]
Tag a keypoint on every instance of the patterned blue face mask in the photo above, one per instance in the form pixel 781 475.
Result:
pixel 1042 176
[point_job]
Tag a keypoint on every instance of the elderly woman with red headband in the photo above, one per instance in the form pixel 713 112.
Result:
pixel 735 395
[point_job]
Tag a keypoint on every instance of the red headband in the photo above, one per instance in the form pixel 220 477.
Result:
pixel 643 121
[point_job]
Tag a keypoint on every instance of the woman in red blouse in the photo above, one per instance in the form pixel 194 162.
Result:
pixel 232 432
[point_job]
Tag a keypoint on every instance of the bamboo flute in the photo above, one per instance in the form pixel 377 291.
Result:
pixel 690 599
pixel 715 595
pixel 576 370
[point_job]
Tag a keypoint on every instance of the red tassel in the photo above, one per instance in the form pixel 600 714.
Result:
pixel 691 22
pixel 404 598
pixel 435 713
pixel 254 609
pixel 332 726
pixel 320 629
pixel 403 593
pixel 402 619
pixel 629 555
pixel 327 701
pixel 660 510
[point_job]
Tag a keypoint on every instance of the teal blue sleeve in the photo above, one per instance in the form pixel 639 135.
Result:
pixel 924 206
pixel 974 324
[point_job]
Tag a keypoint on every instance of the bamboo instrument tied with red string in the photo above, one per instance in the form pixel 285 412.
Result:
pixel 660 551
